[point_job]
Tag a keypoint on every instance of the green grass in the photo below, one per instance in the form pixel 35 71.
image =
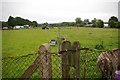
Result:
pixel 22 42
pixel 27 41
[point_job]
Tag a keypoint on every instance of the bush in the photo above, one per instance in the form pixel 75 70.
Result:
pixel 112 24
pixel 100 24
pixel 99 46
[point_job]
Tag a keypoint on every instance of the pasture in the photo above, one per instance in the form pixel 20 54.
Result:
pixel 27 41
pixel 21 42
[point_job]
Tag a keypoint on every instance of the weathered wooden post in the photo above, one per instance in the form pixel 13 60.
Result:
pixel 66 45
pixel 45 65
pixel 71 60
pixel 43 61
pixel 31 69
pixel 76 58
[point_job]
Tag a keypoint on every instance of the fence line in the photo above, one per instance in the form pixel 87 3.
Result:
pixel 70 61
pixel 69 64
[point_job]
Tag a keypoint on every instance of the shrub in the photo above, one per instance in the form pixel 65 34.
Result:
pixel 99 46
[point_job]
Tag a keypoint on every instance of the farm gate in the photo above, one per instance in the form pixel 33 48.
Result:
pixel 70 62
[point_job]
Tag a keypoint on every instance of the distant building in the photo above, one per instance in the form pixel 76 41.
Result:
pixel 106 25
pixel 4 28
pixel 18 27
pixel 27 26
pixel 119 10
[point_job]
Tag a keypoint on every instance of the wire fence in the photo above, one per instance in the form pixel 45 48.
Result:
pixel 15 67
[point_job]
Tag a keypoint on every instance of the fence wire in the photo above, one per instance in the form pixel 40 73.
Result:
pixel 14 67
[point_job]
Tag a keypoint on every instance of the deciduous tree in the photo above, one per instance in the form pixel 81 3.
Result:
pixel 100 23
pixel 11 22
pixel 112 21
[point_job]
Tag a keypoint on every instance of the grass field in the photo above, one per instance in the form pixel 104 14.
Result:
pixel 27 41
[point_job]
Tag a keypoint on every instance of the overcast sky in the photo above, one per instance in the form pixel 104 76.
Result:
pixel 53 11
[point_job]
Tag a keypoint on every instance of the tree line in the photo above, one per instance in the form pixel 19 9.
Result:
pixel 112 23
pixel 18 21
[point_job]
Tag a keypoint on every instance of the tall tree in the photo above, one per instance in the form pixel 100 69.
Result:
pixel 78 20
pixel 100 23
pixel 94 21
pixel 112 21
pixel 11 22
pixel 113 18
pixel 34 23
pixel 86 21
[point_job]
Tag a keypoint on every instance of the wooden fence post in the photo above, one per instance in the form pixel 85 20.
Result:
pixel 45 65
pixel 66 45
pixel 30 70
pixel 76 46
pixel 43 61
pixel 71 60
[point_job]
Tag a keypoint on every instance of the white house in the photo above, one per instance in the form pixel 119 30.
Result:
pixel 106 25
pixel 5 28
pixel 18 27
